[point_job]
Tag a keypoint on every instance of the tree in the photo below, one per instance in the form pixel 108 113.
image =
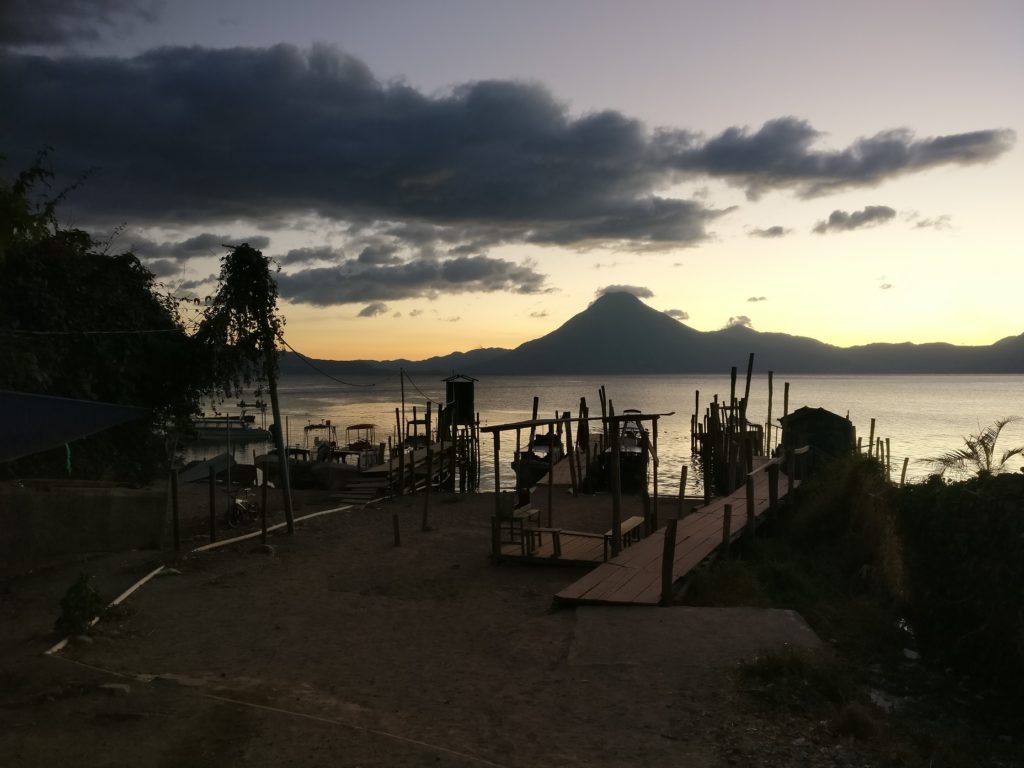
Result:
pixel 79 322
pixel 979 453
pixel 239 332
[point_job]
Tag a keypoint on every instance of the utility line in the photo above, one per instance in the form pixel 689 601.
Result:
pixel 311 364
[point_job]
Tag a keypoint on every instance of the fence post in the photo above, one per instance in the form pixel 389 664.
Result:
pixel 668 556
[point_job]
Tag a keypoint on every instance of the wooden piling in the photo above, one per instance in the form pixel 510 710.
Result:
pixel 430 474
pixel 682 490
pixel 785 400
pixel 871 440
pixel 888 461
pixel 551 483
pixel 401 455
pixel 750 372
pixel 903 474
pixel 768 444
pixel 668 556
pixel 570 455
pixel 654 471
pixel 175 520
pixel 497 477
pixel 616 482
pixel 533 417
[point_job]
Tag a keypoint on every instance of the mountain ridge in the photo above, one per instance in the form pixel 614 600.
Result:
pixel 619 334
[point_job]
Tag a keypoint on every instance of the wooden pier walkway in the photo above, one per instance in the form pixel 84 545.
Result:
pixel 635 577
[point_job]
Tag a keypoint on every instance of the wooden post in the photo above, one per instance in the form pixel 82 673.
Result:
pixel 748 453
pixel 616 490
pixel 750 372
pixel 682 490
pixel 668 556
pixel 570 456
pixel 533 418
pixel 263 508
pixel 732 388
pixel 497 477
pixel 397 531
pixel 654 473
pixel 785 400
pixel 213 505
pixel 773 489
pixel 430 473
pixel 871 440
pixel 903 474
pixel 768 446
pixel 709 471
pixel 749 533
pixel 175 520
pixel 401 454
pixel 888 461
pixel 726 529
pixel 551 482
pixel 284 471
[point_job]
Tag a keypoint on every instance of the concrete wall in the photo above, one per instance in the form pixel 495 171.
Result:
pixel 47 518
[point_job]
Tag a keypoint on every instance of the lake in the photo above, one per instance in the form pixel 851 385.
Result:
pixel 921 415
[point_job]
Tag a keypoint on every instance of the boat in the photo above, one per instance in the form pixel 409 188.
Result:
pixel 238 427
pixel 533 463
pixel 633 456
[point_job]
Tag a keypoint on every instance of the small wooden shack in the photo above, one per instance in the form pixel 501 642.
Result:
pixel 828 434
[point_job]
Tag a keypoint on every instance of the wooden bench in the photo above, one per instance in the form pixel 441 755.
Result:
pixel 517 520
pixel 631 528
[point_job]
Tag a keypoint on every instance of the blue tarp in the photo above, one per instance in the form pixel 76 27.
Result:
pixel 34 423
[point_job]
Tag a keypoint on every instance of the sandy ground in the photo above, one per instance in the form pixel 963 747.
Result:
pixel 336 647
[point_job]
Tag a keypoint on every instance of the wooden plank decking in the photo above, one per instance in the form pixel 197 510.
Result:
pixel 634 577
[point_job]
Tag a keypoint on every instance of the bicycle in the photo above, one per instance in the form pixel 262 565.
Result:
pixel 243 509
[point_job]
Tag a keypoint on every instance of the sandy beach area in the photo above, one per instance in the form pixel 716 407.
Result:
pixel 336 647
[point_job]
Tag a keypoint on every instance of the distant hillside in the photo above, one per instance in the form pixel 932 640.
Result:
pixel 618 333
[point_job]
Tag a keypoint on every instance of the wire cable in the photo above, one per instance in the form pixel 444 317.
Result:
pixel 322 372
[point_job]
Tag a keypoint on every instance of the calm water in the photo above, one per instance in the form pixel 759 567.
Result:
pixel 921 415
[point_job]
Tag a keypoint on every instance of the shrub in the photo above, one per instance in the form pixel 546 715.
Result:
pixel 964 549
pixel 79 606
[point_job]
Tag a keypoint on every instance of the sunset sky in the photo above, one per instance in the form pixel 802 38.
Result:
pixel 441 176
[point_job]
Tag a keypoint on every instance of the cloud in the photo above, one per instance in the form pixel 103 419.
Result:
pixel 841 221
pixel 309 255
pixel 374 309
pixel 62 22
pixel 163 267
pixel 775 231
pixel 758 298
pixel 677 314
pixel 355 282
pixel 454 319
pixel 885 286
pixel 639 291
pixel 939 222
pixel 540 314
pixel 205 244
pixel 781 155
pixel 486 163
pixel 739 321
pixel 416 313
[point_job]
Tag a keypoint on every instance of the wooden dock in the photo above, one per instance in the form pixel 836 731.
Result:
pixel 635 577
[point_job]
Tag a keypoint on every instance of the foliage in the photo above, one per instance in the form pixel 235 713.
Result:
pixel 76 322
pixel 979 452
pixel 240 326
pixel 798 678
pixel 79 606
pixel 964 549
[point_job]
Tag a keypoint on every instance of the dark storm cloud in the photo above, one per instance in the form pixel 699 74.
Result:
pixel 205 244
pixel 677 314
pixel 309 255
pixel 193 136
pixel 638 291
pixel 781 155
pixel 163 267
pixel 775 231
pixel 356 282
pixel 374 309
pixel 63 22
pixel 739 321
pixel 841 221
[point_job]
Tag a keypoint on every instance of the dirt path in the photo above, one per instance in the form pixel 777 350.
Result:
pixel 338 648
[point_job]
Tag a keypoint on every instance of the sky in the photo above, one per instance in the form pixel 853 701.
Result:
pixel 443 176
